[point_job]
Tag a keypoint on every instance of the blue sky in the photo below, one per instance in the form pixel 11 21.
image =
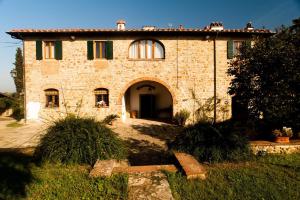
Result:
pixel 104 14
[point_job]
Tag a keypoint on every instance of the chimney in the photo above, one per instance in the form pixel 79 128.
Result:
pixel 181 27
pixel 249 26
pixel 121 25
pixel 218 26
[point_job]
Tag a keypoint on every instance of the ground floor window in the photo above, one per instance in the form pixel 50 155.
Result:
pixel 52 98
pixel 101 97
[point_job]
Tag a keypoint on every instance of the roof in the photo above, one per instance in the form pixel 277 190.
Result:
pixel 18 33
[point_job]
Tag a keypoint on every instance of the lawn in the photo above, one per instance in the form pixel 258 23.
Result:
pixel 269 177
pixel 21 178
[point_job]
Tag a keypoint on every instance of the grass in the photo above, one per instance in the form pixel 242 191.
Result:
pixel 21 178
pixel 14 125
pixel 270 177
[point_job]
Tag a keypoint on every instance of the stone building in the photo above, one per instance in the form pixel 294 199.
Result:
pixel 145 73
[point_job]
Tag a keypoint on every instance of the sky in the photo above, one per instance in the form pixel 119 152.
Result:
pixel 137 13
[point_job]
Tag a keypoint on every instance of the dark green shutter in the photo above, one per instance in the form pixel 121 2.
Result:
pixel 90 50
pixel 229 49
pixel 39 49
pixel 58 50
pixel 109 50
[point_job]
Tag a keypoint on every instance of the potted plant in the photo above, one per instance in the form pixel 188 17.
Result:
pixel 283 136
pixel 110 119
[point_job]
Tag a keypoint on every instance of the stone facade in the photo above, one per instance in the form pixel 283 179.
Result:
pixel 188 66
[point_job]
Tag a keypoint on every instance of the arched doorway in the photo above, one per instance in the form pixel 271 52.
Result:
pixel 147 99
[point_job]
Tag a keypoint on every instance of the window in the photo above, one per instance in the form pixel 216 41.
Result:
pixel 101 97
pixel 52 98
pixel 146 49
pixel 49 49
pixel 236 47
pixel 100 50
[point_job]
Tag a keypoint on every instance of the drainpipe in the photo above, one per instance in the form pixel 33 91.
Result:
pixel 215 80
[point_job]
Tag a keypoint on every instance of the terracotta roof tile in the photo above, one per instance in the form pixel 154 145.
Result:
pixel 134 30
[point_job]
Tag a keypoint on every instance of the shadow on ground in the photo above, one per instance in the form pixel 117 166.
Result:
pixel 15 174
pixel 165 132
pixel 142 152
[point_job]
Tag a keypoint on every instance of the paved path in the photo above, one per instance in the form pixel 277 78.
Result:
pixel 26 135
pixel 146 140
pixel 149 186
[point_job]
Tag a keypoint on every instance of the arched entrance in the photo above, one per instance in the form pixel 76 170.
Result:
pixel 147 99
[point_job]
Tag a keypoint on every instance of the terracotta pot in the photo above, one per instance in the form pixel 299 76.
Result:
pixel 134 114
pixel 282 139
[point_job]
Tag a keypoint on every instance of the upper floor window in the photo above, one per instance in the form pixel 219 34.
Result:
pixel 52 98
pixel 100 50
pixel 237 47
pixel 101 97
pixel 49 49
pixel 146 49
pixel 234 47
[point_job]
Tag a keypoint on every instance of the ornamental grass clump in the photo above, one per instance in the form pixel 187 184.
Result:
pixel 212 143
pixel 79 140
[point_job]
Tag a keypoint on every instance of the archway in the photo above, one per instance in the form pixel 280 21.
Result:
pixel 148 99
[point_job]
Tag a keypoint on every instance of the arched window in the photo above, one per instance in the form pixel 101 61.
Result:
pixel 52 98
pixel 146 49
pixel 101 97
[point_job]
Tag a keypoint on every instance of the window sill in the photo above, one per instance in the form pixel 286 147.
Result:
pixel 101 107
pixel 156 59
pixel 54 108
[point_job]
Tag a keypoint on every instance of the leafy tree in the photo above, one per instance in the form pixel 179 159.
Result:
pixel 266 78
pixel 19 69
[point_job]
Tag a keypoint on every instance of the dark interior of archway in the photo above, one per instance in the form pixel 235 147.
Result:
pixel 149 100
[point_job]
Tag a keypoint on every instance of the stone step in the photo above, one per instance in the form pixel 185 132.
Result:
pixel 146 168
pixel 192 168
pixel 149 186
pixel 104 168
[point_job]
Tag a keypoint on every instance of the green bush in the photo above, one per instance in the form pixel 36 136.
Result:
pixel 212 143
pixel 79 140
pixel 181 117
pixel 15 105
pixel 5 103
pixel 110 118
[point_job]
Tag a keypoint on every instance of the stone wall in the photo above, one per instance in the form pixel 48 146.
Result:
pixel 188 66
pixel 275 148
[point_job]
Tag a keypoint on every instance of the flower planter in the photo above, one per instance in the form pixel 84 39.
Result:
pixel 134 114
pixel 282 139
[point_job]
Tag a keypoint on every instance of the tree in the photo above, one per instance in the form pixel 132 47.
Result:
pixel 19 69
pixel 266 78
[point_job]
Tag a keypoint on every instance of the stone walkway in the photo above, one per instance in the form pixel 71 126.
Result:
pixel 147 140
pixel 27 135
pixel 149 186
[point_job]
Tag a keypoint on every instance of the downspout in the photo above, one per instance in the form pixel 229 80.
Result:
pixel 177 63
pixel 215 80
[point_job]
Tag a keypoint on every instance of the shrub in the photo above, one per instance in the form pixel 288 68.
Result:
pixel 79 140
pixel 181 117
pixel 5 103
pixel 212 143
pixel 110 118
